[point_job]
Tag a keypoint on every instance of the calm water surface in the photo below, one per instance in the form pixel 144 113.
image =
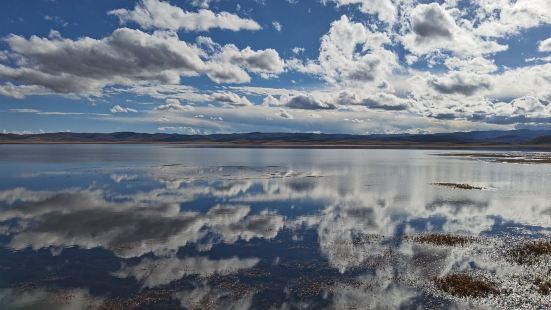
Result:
pixel 136 227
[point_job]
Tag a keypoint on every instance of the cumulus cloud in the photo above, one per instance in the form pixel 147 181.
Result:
pixel 261 61
pixel 231 99
pixel 431 22
pixel 86 65
pixel 460 83
pixel 227 73
pixel 163 91
pixel 181 130
pixel 119 109
pixel 339 58
pixel 350 53
pixel 545 45
pixel 229 64
pixel 308 103
pixel 384 101
pixel 499 18
pixel 298 50
pixel 172 104
pixel 434 62
pixel 270 101
pixel 21 91
pixel 202 3
pixel 376 101
pixel 525 109
pixel 385 10
pixel 155 14
pixel 433 29
pixel 283 113
pixel 475 64
pixel 277 26
pixel 127 57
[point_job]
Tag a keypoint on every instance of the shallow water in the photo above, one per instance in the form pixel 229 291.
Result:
pixel 148 226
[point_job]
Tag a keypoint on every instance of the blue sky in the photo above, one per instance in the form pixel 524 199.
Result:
pixel 218 66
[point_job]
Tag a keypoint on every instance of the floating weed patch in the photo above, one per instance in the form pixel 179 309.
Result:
pixel 444 239
pixel 513 158
pixel 144 299
pixel 530 252
pixel 543 286
pixel 458 186
pixel 463 285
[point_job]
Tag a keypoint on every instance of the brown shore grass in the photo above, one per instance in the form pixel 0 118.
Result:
pixel 463 285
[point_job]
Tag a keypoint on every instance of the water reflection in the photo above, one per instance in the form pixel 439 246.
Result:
pixel 288 229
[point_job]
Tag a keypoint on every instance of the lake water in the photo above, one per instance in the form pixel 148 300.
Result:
pixel 162 227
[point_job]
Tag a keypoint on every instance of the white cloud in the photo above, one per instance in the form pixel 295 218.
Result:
pixel 298 50
pixel 340 60
pixel 265 61
pixel 227 73
pixel 181 130
pixel 24 110
pixel 460 83
pixel 21 91
pixel 350 53
pixel 155 14
pixel 384 9
pixel 277 26
pixel 545 45
pixel 119 109
pixel 447 77
pixel 433 29
pixel 231 99
pixel 476 64
pixel 228 64
pixel 172 104
pixel 308 102
pixel 202 3
pixel 499 18
pixel 127 57
pixel 164 91
pixel 283 113
pixel 86 65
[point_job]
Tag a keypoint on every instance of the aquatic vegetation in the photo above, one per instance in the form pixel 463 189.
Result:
pixel 507 157
pixel 464 285
pixel 458 185
pixel 444 239
pixel 530 252
pixel 543 286
pixel 138 301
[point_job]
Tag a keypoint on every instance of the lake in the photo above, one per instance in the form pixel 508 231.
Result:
pixel 165 227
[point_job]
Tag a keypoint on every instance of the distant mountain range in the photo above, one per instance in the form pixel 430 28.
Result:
pixel 535 138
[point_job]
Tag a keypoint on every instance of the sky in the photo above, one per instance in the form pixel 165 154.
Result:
pixel 321 66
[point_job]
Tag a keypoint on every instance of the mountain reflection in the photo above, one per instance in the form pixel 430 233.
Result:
pixel 232 236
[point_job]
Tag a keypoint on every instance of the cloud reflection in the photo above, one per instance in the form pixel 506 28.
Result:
pixel 167 222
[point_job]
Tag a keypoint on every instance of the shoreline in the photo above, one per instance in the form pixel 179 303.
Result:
pixel 297 145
